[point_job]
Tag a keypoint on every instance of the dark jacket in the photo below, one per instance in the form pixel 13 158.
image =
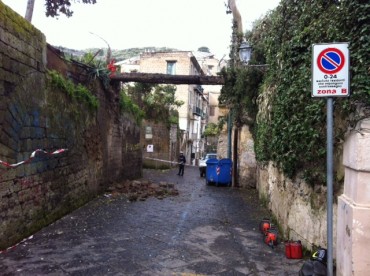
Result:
pixel 182 159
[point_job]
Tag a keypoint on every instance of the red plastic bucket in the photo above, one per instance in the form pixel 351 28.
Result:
pixel 288 252
pixel 293 250
pixel 271 237
pixel 265 225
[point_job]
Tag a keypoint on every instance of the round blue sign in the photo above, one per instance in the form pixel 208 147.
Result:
pixel 330 61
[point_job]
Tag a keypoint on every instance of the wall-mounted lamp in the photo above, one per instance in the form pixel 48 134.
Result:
pixel 245 53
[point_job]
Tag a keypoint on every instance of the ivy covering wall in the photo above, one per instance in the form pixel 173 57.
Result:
pixel 290 126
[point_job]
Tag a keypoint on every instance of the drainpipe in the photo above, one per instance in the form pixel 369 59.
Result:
pixel 229 131
pixel 235 157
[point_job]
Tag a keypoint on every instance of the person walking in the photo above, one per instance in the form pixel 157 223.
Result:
pixel 182 161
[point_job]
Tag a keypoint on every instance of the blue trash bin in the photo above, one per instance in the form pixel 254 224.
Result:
pixel 225 171
pixel 211 171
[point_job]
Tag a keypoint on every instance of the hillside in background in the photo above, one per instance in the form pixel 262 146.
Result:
pixel 118 55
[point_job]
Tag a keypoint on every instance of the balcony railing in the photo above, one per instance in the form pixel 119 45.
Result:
pixel 199 88
pixel 192 137
pixel 197 110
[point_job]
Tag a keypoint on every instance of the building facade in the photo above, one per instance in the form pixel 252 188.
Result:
pixel 193 114
pixel 211 67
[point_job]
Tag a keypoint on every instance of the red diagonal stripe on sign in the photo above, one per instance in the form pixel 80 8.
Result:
pixel 333 62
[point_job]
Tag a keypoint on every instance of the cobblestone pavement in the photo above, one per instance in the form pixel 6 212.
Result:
pixel 205 230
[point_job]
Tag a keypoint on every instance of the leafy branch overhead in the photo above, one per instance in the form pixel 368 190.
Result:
pixel 211 130
pixel 157 102
pixel 56 7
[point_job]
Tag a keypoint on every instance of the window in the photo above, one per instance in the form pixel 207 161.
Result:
pixel 191 97
pixel 171 67
pixel 210 69
pixel 148 132
pixel 212 111
pixel 197 100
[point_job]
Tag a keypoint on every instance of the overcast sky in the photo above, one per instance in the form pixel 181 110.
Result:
pixel 181 24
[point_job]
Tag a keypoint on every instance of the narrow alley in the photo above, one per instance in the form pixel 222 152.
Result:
pixel 205 230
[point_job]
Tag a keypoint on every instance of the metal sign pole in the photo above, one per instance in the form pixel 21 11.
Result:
pixel 330 78
pixel 329 176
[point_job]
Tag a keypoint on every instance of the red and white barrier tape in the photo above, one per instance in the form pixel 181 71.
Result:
pixel 166 161
pixel 7 165
pixel 33 154
pixel 14 246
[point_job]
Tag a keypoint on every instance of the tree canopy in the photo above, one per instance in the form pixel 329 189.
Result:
pixel 155 102
pixel 56 7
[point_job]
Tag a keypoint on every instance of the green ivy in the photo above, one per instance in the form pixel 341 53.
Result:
pixel 262 142
pixel 78 92
pixel 174 119
pixel 292 131
pixel 127 105
pixel 211 130
pixel 157 102
pixel 240 93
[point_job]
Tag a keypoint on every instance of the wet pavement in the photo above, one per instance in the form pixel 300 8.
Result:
pixel 205 230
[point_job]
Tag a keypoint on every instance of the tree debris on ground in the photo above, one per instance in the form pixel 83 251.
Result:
pixel 140 190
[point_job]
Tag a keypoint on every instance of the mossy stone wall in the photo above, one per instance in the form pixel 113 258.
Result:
pixel 102 143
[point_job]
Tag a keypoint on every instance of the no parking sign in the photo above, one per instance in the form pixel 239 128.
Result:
pixel 330 70
pixel 330 78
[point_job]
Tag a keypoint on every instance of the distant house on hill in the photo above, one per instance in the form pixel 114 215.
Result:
pixel 129 65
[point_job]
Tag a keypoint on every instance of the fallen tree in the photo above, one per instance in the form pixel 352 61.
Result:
pixel 167 79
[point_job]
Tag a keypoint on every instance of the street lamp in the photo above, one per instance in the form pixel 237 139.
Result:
pixel 245 52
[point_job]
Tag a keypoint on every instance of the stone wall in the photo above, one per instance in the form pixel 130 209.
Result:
pixel 246 158
pixel 299 209
pixel 103 145
pixel 354 204
pixel 163 148
pixel 222 145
